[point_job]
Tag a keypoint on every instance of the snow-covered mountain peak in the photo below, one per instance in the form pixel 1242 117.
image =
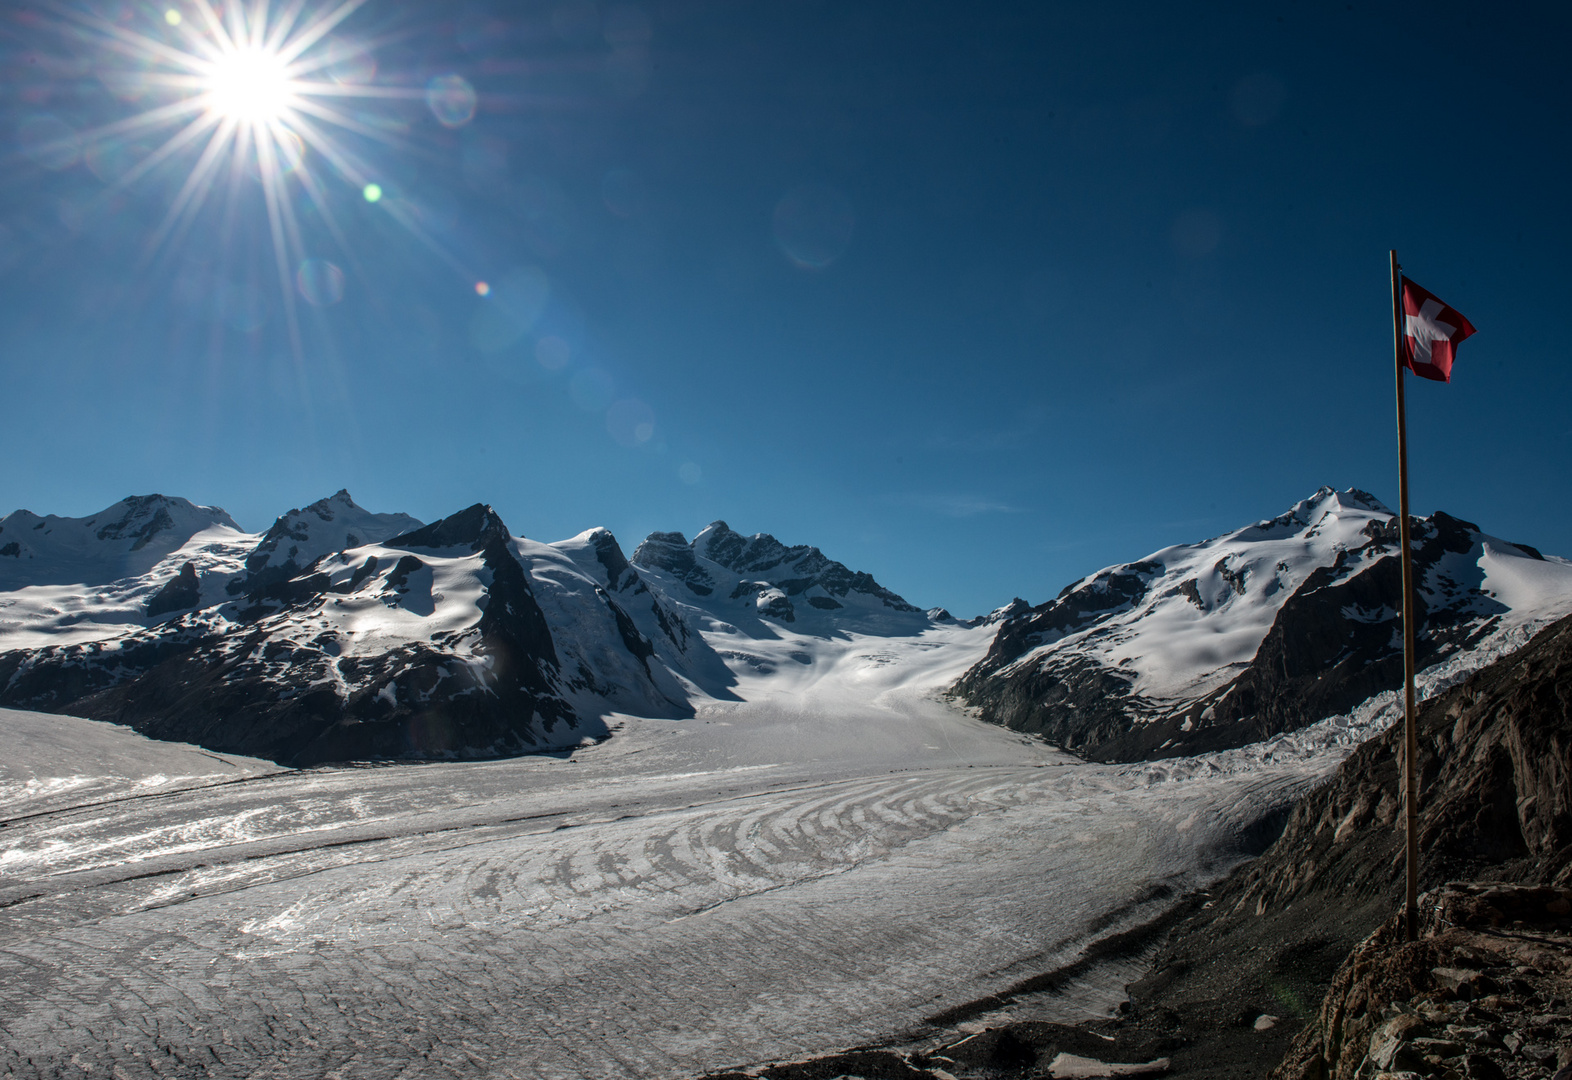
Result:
pixel 1252 631
pixel 140 519
pixel 125 539
pixel 297 539
pixel 1326 502
pixel 731 576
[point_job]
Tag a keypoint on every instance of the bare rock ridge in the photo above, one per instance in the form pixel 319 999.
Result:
pixel 1260 631
pixel 723 571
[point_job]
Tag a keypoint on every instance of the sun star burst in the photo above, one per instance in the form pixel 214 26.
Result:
pixel 251 85
pixel 243 88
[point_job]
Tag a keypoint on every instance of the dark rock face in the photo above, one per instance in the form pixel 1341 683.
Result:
pixel 1495 770
pixel 793 570
pixel 671 552
pixel 253 677
pixel 1079 704
pixel 1335 641
pixel 179 593
pixel 145 517
pixel 609 554
pixel 473 528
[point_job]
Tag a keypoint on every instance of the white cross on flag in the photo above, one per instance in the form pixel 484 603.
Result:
pixel 1431 331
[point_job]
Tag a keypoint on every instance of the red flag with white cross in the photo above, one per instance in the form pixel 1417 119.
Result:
pixel 1431 332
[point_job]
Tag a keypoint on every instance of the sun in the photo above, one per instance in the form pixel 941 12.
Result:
pixel 228 91
pixel 251 85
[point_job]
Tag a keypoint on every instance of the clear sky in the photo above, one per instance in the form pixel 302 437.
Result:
pixel 975 297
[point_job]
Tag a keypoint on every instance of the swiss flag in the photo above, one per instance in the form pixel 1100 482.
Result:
pixel 1431 331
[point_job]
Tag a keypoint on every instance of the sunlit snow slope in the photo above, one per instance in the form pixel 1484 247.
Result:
pixel 1255 632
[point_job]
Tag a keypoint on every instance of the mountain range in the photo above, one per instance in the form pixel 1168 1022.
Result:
pixel 342 634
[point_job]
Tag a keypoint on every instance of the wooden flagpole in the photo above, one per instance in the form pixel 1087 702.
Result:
pixel 1410 731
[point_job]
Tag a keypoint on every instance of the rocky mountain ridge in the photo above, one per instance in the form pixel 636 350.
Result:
pixel 432 643
pixel 1495 756
pixel 1196 647
pixel 734 576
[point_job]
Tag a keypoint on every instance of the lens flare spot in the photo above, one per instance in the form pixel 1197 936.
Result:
pixel 320 282
pixel 372 192
pixel 482 288
pixel 172 17
pixel 591 389
pixel 552 353
pixel 630 422
pixel 451 99
pixel 517 300
pixel 813 226
pixel 690 473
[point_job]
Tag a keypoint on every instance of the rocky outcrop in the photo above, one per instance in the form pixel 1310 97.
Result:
pixel 794 570
pixel 1495 774
pixel 1481 995
pixel 179 593
pixel 1495 753
pixel 671 552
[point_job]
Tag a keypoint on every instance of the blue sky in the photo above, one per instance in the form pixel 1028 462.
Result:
pixel 977 301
